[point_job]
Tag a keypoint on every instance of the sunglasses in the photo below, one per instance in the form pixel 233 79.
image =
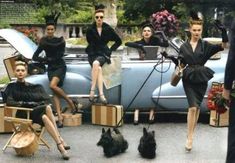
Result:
pixel 97 17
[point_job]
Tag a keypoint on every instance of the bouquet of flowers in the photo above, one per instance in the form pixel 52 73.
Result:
pixel 166 22
pixel 216 100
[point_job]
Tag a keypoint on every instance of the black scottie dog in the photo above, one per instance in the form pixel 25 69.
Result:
pixel 147 146
pixel 112 143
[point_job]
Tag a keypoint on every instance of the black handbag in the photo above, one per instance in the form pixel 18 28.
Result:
pixel 36 68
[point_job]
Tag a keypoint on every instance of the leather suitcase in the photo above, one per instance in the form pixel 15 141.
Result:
pixel 107 115
pixel 5 127
pixel 219 120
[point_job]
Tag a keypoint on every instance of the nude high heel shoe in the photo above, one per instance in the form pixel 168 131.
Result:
pixel 64 154
pixel 189 145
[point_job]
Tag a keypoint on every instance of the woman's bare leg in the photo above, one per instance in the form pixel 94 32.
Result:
pixel 50 115
pixel 151 116
pixel 191 123
pixel 136 116
pixel 56 100
pixel 100 81
pixel 197 117
pixel 60 92
pixel 94 75
pixel 54 133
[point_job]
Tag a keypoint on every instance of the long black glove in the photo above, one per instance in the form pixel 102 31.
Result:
pixel 136 45
pixel 222 28
pixel 174 60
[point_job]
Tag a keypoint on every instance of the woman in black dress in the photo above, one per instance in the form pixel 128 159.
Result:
pixel 98 36
pixel 21 93
pixel 54 48
pixel 194 53
pixel 148 39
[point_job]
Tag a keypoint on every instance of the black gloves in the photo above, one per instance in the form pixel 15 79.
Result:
pixel 222 28
pixel 174 60
pixel 136 45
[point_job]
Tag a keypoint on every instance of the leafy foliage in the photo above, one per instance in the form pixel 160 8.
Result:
pixel 4 80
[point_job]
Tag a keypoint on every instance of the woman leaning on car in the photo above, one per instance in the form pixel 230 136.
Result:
pixel 194 53
pixel 148 39
pixel 54 48
pixel 98 35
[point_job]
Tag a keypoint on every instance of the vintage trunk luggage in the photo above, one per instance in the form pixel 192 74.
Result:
pixel 219 120
pixel 72 120
pixel 107 115
pixel 5 127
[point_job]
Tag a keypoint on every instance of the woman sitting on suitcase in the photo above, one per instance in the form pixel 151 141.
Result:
pixel 24 94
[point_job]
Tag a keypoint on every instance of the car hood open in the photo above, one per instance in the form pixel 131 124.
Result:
pixel 19 41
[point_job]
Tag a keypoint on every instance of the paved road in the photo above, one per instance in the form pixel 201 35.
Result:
pixel 209 145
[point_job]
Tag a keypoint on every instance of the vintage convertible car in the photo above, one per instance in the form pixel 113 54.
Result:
pixel 137 84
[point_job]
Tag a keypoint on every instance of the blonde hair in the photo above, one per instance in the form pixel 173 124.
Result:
pixel 21 63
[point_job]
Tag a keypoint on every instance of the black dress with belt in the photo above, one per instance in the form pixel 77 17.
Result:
pixel 97 48
pixel 24 94
pixel 196 75
pixel 54 48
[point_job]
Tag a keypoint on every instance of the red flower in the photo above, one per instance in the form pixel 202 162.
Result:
pixel 166 22
pixel 216 100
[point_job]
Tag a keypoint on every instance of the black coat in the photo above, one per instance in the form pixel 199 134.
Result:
pixel 24 94
pixel 230 66
pixel 54 48
pixel 97 45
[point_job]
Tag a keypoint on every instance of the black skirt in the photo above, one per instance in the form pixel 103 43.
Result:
pixel 35 115
pixel 58 72
pixel 101 60
pixel 195 93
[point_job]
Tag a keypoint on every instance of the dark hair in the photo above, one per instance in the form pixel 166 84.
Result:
pixel 52 18
pixel 195 18
pixel 99 8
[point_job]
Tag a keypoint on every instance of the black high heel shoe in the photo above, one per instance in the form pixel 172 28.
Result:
pixel 76 108
pixel 92 98
pixel 103 100
pixel 65 156
pixel 136 122
pixel 66 147
pixel 151 121
pixel 60 124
